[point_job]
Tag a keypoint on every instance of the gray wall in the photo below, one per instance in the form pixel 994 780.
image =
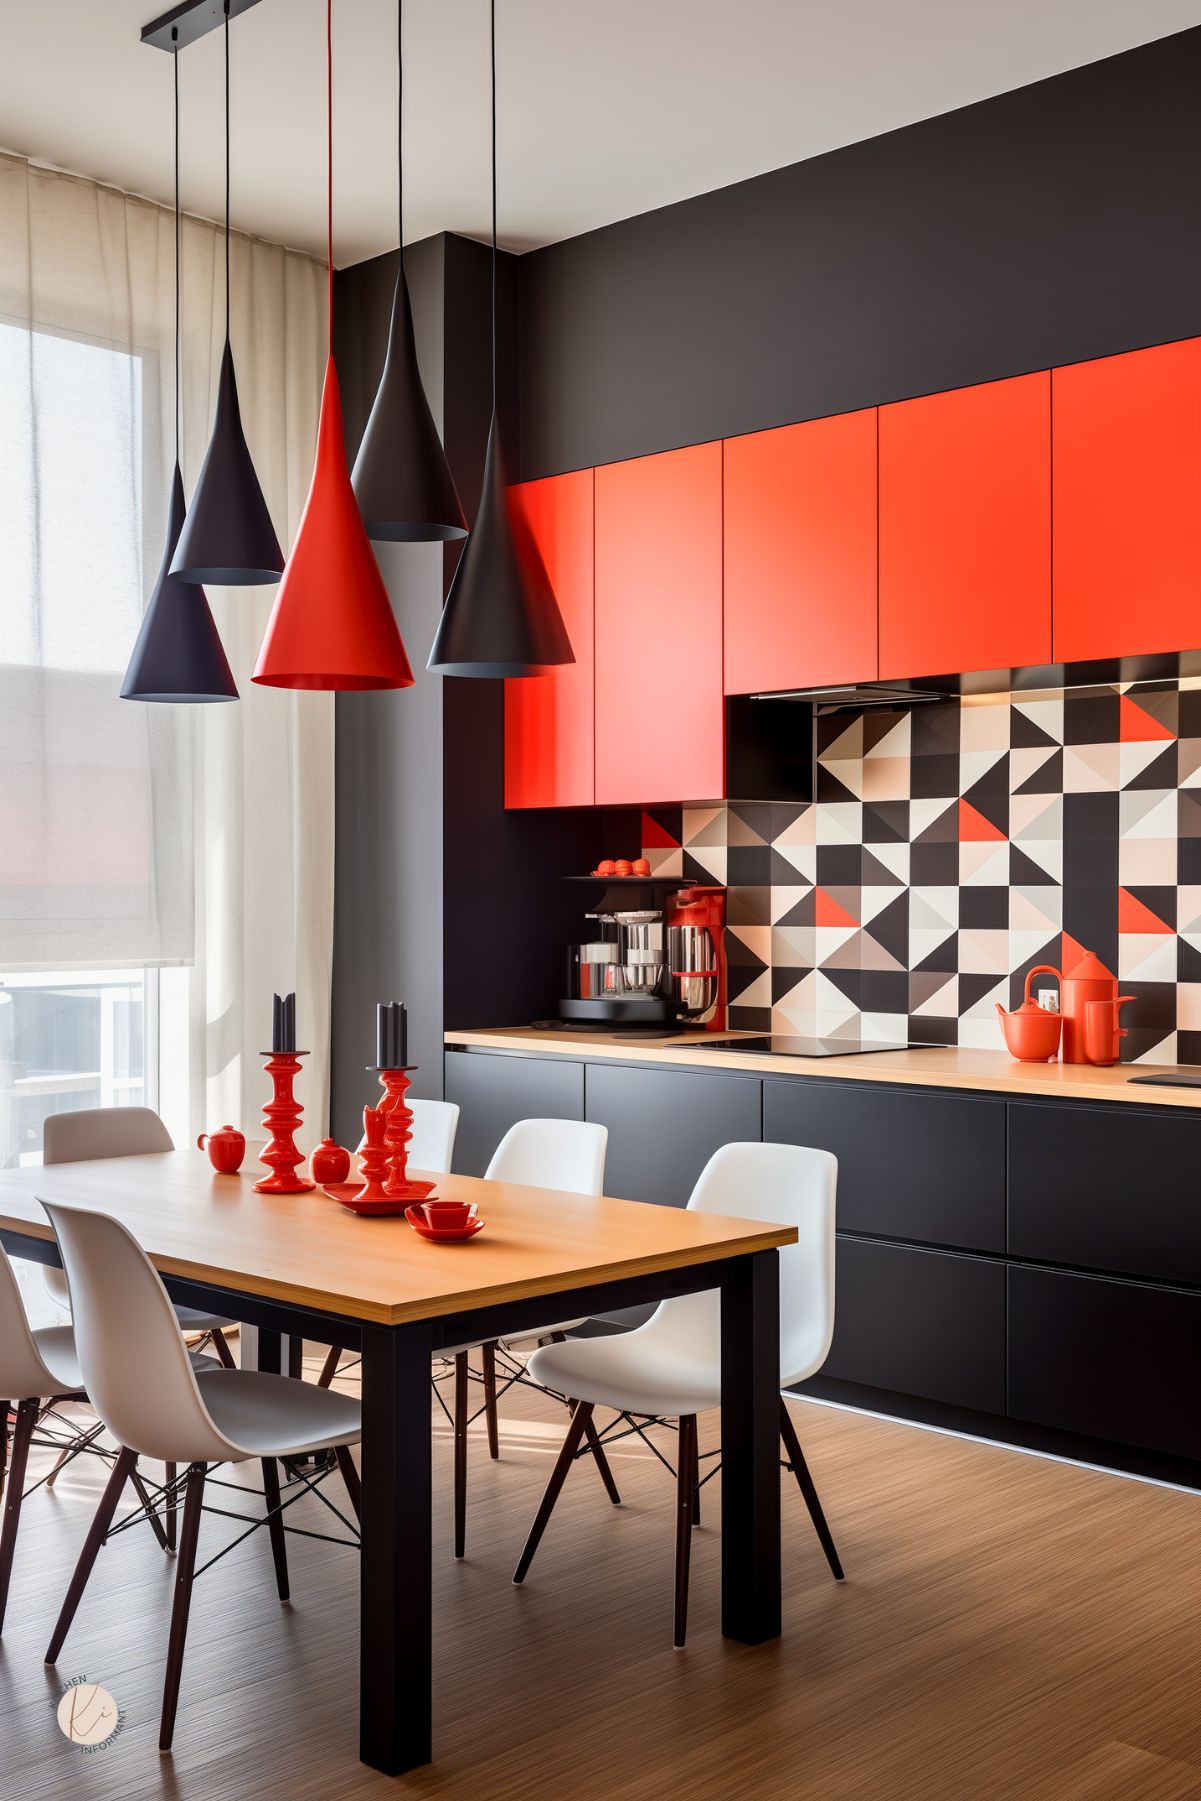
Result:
pixel 1044 226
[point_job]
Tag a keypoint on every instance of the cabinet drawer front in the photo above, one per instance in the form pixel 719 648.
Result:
pixel 910 1165
pixel 923 1323
pixel 1108 1359
pixel 664 1125
pixel 494 1092
pixel 1106 1188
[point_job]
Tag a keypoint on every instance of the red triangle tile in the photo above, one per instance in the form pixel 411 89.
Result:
pixel 974 828
pixel 1135 916
pixel 1137 726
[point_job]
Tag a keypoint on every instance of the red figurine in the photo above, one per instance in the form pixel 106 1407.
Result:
pixel 373 1158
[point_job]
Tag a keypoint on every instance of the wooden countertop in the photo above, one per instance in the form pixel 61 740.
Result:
pixel 987 1072
pixel 306 1249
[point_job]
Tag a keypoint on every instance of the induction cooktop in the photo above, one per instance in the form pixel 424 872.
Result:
pixel 779 1044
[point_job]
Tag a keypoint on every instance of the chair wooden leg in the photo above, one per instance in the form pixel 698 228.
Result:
pixel 184 1569
pixel 5 1409
pixel 350 1477
pixel 792 1450
pixel 27 1414
pixel 275 1526
pixel 685 1496
pixel 97 1531
pixel 580 1418
pixel 222 1349
pixel 329 1368
pixel 170 1471
pixel 488 1353
pixel 156 1525
pixel 602 1462
pixel 696 1480
pixel 461 1378
pixel 82 1443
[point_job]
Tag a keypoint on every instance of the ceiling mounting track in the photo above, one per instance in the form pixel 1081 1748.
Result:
pixel 190 20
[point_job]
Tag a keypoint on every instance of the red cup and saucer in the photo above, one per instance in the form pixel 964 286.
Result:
pixel 445 1222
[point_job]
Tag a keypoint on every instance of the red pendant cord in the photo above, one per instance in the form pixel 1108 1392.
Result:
pixel 329 158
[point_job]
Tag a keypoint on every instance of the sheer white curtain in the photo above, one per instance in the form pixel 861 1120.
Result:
pixel 133 834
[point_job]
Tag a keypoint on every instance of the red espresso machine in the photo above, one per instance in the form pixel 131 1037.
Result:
pixel 655 957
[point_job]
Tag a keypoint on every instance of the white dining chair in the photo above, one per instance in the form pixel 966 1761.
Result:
pixel 670 1367
pixel 38 1368
pixel 431 1148
pixel 93 1134
pixel 566 1154
pixel 140 1381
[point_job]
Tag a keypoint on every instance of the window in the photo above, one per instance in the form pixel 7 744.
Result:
pixel 87 1039
pixel 95 792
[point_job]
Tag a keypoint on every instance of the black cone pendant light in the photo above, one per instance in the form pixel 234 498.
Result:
pixel 178 654
pixel 401 478
pixel 228 537
pixel 501 617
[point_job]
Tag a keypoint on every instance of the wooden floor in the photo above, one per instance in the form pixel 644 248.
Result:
pixel 1009 1629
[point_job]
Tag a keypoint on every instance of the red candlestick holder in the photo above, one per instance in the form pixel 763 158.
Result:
pixel 281 1116
pixel 397 1133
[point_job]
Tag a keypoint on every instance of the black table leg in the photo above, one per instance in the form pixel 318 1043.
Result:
pixel 395 1579
pixel 270 1351
pixel 750 1449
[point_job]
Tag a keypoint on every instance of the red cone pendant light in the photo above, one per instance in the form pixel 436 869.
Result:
pixel 332 625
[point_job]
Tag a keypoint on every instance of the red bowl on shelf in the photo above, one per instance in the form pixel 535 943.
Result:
pixel 416 1216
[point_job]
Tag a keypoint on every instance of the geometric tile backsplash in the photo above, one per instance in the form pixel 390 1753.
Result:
pixel 953 846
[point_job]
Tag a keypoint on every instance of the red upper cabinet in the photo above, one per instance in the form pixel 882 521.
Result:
pixel 549 717
pixel 1127 460
pixel 800 555
pixel 965 529
pixel 660 716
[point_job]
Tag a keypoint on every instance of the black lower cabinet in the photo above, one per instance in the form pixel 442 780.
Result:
pixel 911 1164
pixel 494 1091
pixel 926 1323
pixel 1106 1359
pixel 1106 1188
pixel 665 1124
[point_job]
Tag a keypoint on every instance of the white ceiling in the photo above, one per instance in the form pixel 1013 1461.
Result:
pixel 606 107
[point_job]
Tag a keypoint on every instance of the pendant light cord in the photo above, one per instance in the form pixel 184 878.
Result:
pixel 494 207
pixel 175 72
pixel 400 110
pixel 329 159
pixel 227 171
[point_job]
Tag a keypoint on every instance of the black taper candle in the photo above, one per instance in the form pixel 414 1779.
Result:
pixel 402 1047
pixel 382 1017
pixel 277 1024
pixel 289 1023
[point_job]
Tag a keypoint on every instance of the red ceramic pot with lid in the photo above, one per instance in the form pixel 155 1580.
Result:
pixel 226 1149
pixel 329 1163
pixel 1088 980
pixel 1031 1032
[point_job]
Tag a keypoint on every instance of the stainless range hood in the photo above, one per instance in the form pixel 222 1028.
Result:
pixel 857 697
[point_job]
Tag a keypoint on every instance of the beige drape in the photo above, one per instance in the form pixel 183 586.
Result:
pixel 243 792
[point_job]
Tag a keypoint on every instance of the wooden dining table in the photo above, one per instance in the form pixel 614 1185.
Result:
pixel 303 1266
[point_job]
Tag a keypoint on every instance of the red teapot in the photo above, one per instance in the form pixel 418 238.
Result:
pixel 1031 1032
pixel 226 1149
pixel 1088 980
